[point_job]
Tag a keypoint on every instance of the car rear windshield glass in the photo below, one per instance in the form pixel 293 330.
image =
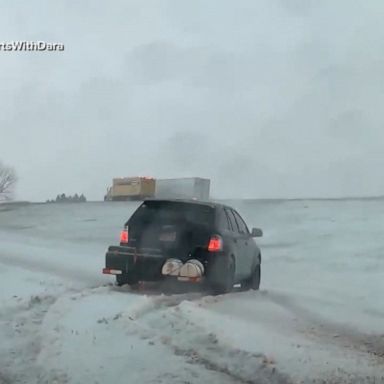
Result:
pixel 172 213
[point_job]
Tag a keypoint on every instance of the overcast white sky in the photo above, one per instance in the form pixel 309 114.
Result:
pixel 268 98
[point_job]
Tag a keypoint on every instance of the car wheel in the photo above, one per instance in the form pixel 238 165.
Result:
pixel 226 285
pixel 125 279
pixel 253 282
pixel 255 278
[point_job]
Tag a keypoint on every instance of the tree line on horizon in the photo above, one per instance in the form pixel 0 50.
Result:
pixel 63 198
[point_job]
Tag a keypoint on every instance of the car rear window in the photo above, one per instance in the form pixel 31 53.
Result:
pixel 161 212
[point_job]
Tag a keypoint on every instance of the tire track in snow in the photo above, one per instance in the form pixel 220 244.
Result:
pixel 244 367
pixel 204 346
pixel 332 332
pixel 131 321
pixel 165 322
pixel 19 364
pixel 195 357
pixel 52 268
pixel 161 319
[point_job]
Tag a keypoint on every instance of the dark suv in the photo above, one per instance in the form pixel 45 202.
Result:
pixel 184 240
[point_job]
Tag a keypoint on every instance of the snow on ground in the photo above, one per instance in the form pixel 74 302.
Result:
pixel 318 317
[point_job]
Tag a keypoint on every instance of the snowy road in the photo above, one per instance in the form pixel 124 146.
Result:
pixel 319 315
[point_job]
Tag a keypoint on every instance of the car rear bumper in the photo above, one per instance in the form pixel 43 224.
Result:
pixel 145 264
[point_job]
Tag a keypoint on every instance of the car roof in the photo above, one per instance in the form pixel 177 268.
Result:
pixel 190 201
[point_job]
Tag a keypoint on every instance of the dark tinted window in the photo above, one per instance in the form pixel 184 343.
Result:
pixel 240 223
pixel 231 219
pixel 160 212
pixel 223 221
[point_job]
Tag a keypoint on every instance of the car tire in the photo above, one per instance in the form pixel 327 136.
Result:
pixel 226 285
pixel 253 282
pixel 126 279
pixel 255 278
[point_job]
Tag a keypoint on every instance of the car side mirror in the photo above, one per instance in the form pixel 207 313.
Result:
pixel 256 232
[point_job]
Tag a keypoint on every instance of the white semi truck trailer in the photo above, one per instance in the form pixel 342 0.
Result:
pixel 183 188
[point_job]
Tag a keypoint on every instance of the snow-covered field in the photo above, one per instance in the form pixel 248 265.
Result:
pixel 319 316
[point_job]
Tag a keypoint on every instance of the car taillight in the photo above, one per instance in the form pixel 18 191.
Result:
pixel 215 244
pixel 124 236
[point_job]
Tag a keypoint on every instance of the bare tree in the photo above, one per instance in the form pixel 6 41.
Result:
pixel 7 181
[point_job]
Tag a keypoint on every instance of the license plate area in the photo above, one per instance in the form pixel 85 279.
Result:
pixel 168 237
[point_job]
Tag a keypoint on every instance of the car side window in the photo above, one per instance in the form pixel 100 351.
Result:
pixel 240 223
pixel 231 220
pixel 223 220
pixel 236 226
